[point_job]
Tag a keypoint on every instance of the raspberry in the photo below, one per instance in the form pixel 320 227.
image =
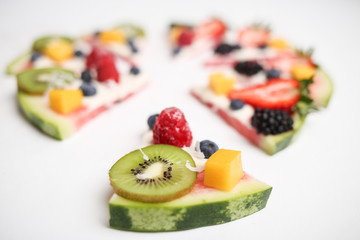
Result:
pixel 104 63
pixel 172 128
pixel 186 37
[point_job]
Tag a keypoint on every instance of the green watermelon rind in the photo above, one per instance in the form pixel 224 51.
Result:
pixel 324 94
pixel 19 63
pixel 191 211
pixel 43 118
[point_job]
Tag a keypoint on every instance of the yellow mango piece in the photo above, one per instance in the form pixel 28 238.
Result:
pixel 59 50
pixel 112 36
pixel 221 84
pixel 223 170
pixel 301 72
pixel 65 101
pixel 278 43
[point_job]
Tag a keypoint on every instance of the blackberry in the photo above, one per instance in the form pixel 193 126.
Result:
pixel 223 49
pixel 248 68
pixel 208 148
pixel 132 46
pixel 271 121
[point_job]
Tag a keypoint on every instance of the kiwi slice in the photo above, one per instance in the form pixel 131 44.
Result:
pixel 153 174
pixel 131 30
pixel 37 81
pixel 40 43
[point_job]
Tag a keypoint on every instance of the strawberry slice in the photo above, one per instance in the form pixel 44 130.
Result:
pixel 214 28
pixel 253 37
pixel 275 94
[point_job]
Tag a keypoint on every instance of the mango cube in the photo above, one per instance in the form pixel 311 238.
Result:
pixel 112 36
pixel 223 170
pixel 278 43
pixel 59 50
pixel 65 101
pixel 221 84
pixel 301 72
pixel 174 34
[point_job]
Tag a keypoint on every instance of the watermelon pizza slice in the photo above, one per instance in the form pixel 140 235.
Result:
pixel 65 82
pixel 263 87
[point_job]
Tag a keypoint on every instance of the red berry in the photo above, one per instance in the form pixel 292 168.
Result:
pixel 172 128
pixel 275 94
pixel 214 28
pixel 186 37
pixel 104 63
pixel 253 37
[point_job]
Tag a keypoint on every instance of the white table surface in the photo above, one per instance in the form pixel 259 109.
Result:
pixel 59 190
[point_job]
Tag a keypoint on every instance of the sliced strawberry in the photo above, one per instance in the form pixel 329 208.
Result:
pixel 275 94
pixel 253 36
pixel 214 28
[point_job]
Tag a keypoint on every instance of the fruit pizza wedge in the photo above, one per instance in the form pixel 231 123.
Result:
pixel 264 88
pixel 67 82
pixel 172 184
pixel 190 40
pixel 126 41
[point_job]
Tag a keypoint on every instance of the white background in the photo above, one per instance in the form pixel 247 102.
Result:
pixel 59 190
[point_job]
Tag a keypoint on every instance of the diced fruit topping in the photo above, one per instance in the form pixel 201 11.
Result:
pixel 104 63
pixel 59 50
pixel 221 84
pixel 214 28
pixel 236 104
pixel 225 48
pixel 186 37
pixel 162 176
pixel 151 121
pixel 172 128
pixel 112 36
pixel 275 94
pixel 272 73
pixel 35 56
pixel 86 76
pixel 223 170
pixel 208 148
pixel 248 68
pixel 278 43
pixel 65 101
pixel 301 72
pixel 88 89
pixel 134 70
pixel 254 36
pixel 270 121
pixel 174 33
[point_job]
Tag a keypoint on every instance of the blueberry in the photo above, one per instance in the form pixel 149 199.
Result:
pixel 263 46
pixel 86 76
pixel 151 120
pixel 88 89
pixel 208 148
pixel 273 73
pixel 236 104
pixel 176 50
pixel 134 70
pixel 132 46
pixel 78 53
pixel 35 56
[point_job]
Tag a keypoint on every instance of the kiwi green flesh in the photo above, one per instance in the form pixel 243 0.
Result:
pixel 29 81
pixel 161 178
pixel 131 31
pixel 40 43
